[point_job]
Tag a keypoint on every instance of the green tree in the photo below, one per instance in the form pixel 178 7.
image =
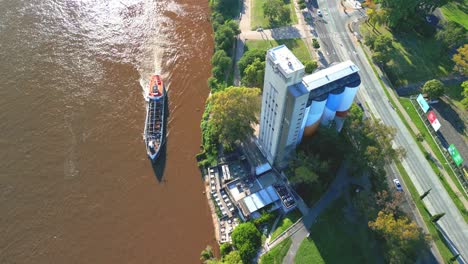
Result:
pixel 254 74
pixel 225 248
pixel 372 144
pixel 217 72
pixel 461 60
pixel 376 16
pixel 221 59
pixel 465 94
pixel 315 43
pixel 224 38
pixel 433 88
pixel 233 111
pixel 383 43
pixel 206 254
pixel 247 239
pixel 452 35
pixel 381 58
pixel 307 168
pixel 249 57
pixel 271 9
pixel 310 66
pixel 369 40
pixel 276 11
pixel 400 12
pixel 403 238
pixel 233 257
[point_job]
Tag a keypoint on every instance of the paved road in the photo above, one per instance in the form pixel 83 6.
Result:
pixel 342 47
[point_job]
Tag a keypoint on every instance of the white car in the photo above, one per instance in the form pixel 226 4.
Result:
pixel 319 12
pixel 397 185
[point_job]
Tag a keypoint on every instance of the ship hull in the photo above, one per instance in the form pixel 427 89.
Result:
pixel 154 133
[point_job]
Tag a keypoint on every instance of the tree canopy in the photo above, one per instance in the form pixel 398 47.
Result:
pixel 249 57
pixel 465 94
pixel 461 60
pixel 372 141
pixel 254 74
pixel 433 88
pixel 247 240
pixel 275 11
pixel 232 113
pixel 233 257
pixel 398 12
pixel 224 36
pixel 221 59
pixel 310 66
pixel 452 35
pixel 206 254
pixel 307 168
pixel 403 237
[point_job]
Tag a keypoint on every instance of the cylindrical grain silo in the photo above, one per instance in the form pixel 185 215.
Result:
pixel 339 121
pixel 315 113
pixel 333 102
pixel 304 121
pixel 348 98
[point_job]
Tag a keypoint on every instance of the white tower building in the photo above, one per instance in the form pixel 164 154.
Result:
pixel 293 106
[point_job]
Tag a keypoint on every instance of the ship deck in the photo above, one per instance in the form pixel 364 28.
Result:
pixel 154 124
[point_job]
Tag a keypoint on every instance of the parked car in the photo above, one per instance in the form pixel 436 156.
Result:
pixel 397 185
pixel 319 12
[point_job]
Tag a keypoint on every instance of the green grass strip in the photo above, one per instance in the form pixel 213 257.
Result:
pixel 288 220
pixel 277 254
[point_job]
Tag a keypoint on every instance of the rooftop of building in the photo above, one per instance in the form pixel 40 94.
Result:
pixel 330 74
pixel 285 59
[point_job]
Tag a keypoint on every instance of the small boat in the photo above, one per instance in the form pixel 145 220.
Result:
pixel 154 124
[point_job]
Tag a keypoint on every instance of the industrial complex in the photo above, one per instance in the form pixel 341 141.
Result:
pixel 294 105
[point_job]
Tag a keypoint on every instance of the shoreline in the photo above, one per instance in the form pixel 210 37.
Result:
pixel 214 216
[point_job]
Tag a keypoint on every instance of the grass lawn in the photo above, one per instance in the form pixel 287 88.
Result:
pixel 335 240
pixel 258 19
pixel 297 46
pixel 277 254
pixel 415 58
pixel 288 220
pixel 454 92
pixel 457 13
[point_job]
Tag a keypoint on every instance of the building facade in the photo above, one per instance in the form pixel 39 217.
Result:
pixel 294 105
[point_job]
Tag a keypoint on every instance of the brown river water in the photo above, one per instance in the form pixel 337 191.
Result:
pixel 75 183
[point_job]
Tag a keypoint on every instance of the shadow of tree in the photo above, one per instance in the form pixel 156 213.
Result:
pixel 446 112
pixel 285 33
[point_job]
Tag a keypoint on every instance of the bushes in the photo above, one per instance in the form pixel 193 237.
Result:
pixel 315 44
pixel 247 239
pixel 302 4
pixel 310 66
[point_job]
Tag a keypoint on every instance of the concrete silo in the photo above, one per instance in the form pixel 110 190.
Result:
pixel 314 115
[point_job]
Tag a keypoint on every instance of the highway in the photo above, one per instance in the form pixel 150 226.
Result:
pixel 338 45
